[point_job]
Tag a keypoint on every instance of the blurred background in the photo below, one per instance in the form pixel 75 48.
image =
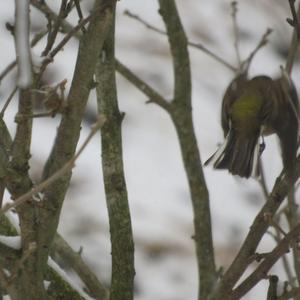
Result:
pixel 158 193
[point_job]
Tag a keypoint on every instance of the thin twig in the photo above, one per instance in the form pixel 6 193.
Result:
pixel 286 264
pixel 154 96
pixel 79 12
pixel 294 43
pixel 275 225
pixel 10 97
pixel 53 33
pixel 278 229
pixel 295 21
pixel 66 168
pixel 9 68
pixel 262 180
pixel 235 31
pixel 263 41
pixel 198 46
pixel 256 233
pixel 13 64
pixel 262 270
pixel 292 219
pixel 294 292
pixel 37 37
pixel 65 40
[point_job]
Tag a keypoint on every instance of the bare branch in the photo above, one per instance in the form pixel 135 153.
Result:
pixel 9 68
pixel 13 64
pixel 262 179
pixel 74 259
pixel 53 34
pixel 66 39
pixel 292 218
pixel 154 96
pixel 23 52
pixel 122 246
pixel 198 46
pixel 66 168
pixel 263 41
pixel 292 294
pixel 235 31
pixel 256 232
pixel 272 290
pixel 285 261
pixel 295 39
pixel 79 12
pixel 10 97
pixel 181 115
pixel 295 21
pixel 263 269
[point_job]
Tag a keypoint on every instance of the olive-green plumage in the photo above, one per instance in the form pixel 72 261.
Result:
pixel 252 108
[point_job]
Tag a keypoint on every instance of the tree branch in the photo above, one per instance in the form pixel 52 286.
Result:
pixel 66 39
pixel 272 290
pixel 154 96
pixel 257 230
pixel 69 128
pixel 294 292
pixel 181 114
pixel 121 236
pixel 263 41
pixel 23 52
pixel 235 31
pixel 54 177
pixel 198 46
pixel 295 40
pixel 13 64
pixel 53 34
pixel 263 269
pixel 94 288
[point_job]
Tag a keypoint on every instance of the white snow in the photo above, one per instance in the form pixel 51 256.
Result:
pixel 22 43
pixel 47 284
pixel 65 276
pixel 13 218
pixel 11 241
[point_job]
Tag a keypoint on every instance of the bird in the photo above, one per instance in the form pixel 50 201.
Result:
pixel 251 109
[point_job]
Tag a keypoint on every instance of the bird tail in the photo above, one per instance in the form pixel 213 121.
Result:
pixel 237 154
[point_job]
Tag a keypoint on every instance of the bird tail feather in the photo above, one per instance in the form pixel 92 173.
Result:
pixel 237 154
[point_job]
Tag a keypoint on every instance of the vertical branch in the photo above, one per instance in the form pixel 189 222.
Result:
pixel 69 129
pixel 32 278
pixel 295 40
pixel 113 173
pixel 18 166
pixel 292 218
pixel 272 290
pixel 53 33
pixel 181 113
pixel 22 43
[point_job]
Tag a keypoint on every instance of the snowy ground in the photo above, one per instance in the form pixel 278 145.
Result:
pixel 157 187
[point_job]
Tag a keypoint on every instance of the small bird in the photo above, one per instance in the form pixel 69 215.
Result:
pixel 253 108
